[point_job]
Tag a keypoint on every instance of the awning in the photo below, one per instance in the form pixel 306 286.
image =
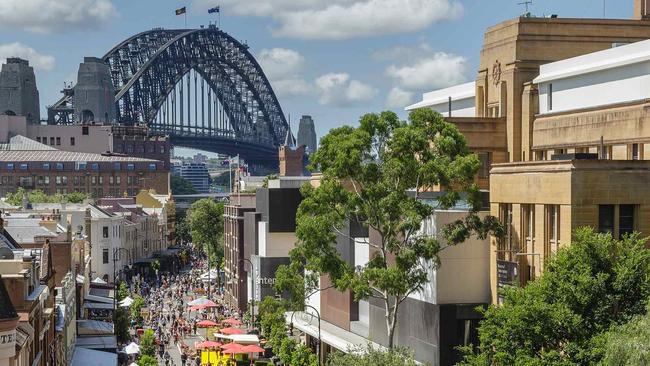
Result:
pixel 336 337
pixel 245 339
pixel 98 305
pixel 83 357
pixel 94 327
pixel 97 298
pixel 21 337
pixel 27 329
pixel 99 342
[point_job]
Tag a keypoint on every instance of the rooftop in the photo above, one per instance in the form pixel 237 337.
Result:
pixel 441 96
pixel 22 143
pixel 597 61
pixel 66 156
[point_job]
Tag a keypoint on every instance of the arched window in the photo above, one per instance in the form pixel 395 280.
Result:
pixel 9 113
pixel 87 116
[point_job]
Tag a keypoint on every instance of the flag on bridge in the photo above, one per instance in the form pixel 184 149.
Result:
pixel 181 11
pixel 216 9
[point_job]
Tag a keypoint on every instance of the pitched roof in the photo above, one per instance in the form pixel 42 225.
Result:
pixel 66 156
pixel 7 310
pixel 22 143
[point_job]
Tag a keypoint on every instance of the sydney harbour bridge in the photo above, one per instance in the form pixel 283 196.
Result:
pixel 201 87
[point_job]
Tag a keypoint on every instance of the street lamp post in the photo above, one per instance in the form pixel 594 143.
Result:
pixel 115 252
pixel 252 290
pixel 320 341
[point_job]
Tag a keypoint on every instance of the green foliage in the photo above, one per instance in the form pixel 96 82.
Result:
pixel 182 228
pixel 122 291
pixel 181 186
pixel 155 265
pixel 370 356
pixel 138 304
pixel 147 360
pixel 562 318
pixel 272 326
pixel 38 196
pixel 122 325
pixel 265 183
pixel 206 227
pixel 367 175
pixel 148 343
pixel 628 344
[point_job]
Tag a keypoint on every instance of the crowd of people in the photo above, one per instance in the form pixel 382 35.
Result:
pixel 169 316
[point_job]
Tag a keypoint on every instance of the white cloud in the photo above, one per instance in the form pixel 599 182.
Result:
pixel 283 68
pixel 280 62
pixel 46 16
pixel 399 98
pixel 36 60
pixel 339 90
pixel 344 19
pixel 403 53
pixel 437 71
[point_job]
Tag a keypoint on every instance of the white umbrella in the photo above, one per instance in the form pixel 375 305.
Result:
pixel 199 301
pixel 99 280
pixel 133 364
pixel 126 302
pixel 132 348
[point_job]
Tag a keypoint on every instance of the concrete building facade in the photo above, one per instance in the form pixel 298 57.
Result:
pixel 94 93
pixel 307 135
pixel 18 92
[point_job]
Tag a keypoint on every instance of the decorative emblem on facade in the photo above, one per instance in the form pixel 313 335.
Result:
pixel 496 73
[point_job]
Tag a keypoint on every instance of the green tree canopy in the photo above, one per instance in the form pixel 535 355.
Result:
pixel 374 175
pixel 561 318
pixel 181 186
pixel 371 356
pixel 38 196
pixel 206 227
pixel 148 343
pixel 147 360
pixel 628 344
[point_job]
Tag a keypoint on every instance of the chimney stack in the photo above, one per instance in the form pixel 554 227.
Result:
pixel 642 9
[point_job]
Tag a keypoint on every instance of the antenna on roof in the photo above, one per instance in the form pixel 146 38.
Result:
pixel 526 3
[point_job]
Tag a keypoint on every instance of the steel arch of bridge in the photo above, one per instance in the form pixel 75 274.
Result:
pixel 146 68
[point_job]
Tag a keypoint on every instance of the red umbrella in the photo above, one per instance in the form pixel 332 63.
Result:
pixel 233 350
pixel 231 331
pixel 251 348
pixel 207 344
pixel 231 345
pixel 232 321
pixel 206 324
pixel 197 307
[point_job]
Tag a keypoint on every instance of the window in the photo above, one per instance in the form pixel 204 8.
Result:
pixel 46 180
pixel 129 148
pixel 606 218
pixel 59 166
pixel 130 166
pixel 52 141
pixel 23 166
pixel 94 166
pixel 105 256
pixel 10 166
pixel 80 165
pixel 58 141
pixel 552 230
pixel 101 180
pixel 505 250
pixel 549 100
pixel 625 220
pixel 486 161
pixel 72 141
pixel 46 166
pixel 116 166
pixel 152 166
pixel 635 152
pixel 93 180
pixel 111 180
pixel 84 130
pixel 118 180
pixel 162 149
pixel 152 148
pixel 38 138
pixel 105 231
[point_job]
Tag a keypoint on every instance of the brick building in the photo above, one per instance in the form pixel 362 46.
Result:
pixel 54 171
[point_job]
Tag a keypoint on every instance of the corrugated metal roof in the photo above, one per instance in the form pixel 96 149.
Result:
pixel 66 156
pixel 22 143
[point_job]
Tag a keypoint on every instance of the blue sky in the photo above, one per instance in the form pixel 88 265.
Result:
pixel 332 59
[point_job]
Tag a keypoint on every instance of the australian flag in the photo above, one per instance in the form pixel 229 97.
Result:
pixel 216 9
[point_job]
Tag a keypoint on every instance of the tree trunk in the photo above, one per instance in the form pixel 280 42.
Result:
pixel 391 322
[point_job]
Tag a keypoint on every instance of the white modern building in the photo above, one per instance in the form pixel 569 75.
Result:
pixel 106 232
pixel 458 99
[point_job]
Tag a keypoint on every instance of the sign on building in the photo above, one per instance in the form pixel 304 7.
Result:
pixel 507 275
